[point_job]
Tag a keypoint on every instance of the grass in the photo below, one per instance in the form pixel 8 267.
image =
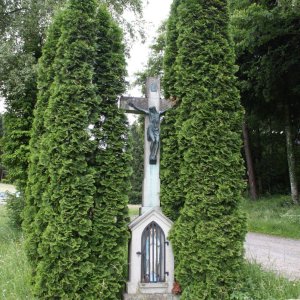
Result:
pixel 14 269
pixel 133 210
pixel 274 215
pixel 258 284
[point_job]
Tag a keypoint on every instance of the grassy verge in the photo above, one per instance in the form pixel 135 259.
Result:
pixel 274 215
pixel 133 210
pixel 14 269
pixel 261 285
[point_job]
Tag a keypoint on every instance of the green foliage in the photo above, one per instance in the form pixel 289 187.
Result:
pixel 22 35
pixel 76 212
pixel 274 215
pixel 68 197
pixel 266 34
pixel 154 65
pixel 208 236
pixel 259 284
pixel 21 40
pixel 110 163
pixel 172 199
pixel 171 53
pixel 137 138
pixel 14 267
pixel 23 25
pixel 2 171
pixel 17 124
pixel 38 177
pixel 266 39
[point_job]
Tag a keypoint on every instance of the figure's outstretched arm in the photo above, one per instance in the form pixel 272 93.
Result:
pixel 163 111
pixel 138 108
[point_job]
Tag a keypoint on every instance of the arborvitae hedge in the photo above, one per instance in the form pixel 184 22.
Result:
pixel 110 161
pixel 77 192
pixel 172 199
pixel 64 268
pixel 171 196
pixel 208 236
pixel 169 79
pixel 34 220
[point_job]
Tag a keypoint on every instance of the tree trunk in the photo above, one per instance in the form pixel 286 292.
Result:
pixel 250 167
pixel 291 157
pixel 258 162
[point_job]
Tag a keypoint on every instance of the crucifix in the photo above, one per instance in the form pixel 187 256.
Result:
pixel 153 107
pixel 151 260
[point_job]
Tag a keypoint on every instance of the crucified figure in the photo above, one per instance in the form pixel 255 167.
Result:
pixel 152 130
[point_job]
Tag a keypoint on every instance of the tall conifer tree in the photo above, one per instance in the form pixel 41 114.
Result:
pixel 208 236
pixel 76 197
pixel 110 161
pixel 64 267
pixel 34 219
pixel 171 196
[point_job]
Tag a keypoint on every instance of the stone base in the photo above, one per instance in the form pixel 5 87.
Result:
pixel 150 297
pixel 154 288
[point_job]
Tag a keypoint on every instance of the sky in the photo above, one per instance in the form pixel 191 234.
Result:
pixel 155 11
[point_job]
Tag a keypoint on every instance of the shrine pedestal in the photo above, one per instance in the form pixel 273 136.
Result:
pixel 151 261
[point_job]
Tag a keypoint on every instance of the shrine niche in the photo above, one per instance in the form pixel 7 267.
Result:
pixel 153 254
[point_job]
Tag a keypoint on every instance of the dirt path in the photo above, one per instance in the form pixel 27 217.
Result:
pixel 274 253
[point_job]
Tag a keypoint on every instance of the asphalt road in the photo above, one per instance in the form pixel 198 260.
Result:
pixel 281 255
pixel 4 188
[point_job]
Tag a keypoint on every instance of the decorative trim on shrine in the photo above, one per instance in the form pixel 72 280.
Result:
pixel 145 268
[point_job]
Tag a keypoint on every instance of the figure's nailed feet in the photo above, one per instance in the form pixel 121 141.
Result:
pixel 152 161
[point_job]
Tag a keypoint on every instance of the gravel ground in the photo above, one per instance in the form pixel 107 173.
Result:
pixel 281 255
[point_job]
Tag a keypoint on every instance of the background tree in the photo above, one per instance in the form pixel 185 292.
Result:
pixel 266 39
pixel 208 236
pixel 154 66
pixel 22 29
pixel 76 211
pixel 137 176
